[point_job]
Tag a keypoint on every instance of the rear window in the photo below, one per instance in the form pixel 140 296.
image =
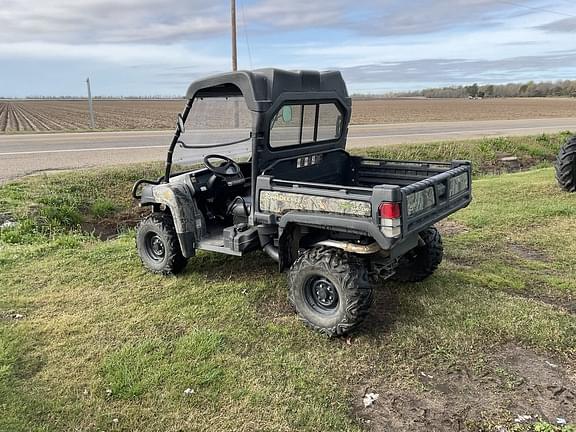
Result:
pixel 296 124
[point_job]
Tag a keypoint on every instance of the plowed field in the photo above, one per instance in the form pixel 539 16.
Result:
pixel 70 115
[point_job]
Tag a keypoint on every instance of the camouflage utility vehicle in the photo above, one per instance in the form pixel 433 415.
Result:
pixel 566 165
pixel 334 222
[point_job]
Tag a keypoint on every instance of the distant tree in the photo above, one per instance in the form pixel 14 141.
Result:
pixel 565 88
pixel 472 90
pixel 489 91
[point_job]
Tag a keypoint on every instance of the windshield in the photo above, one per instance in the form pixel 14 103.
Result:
pixel 296 124
pixel 212 123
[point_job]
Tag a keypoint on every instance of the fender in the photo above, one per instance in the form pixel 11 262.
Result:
pixel 188 220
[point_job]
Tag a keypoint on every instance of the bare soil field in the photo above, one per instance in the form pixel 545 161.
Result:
pixel 72 115
pixel 369 111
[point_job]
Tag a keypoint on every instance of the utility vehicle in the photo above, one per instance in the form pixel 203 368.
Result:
pixel 334 222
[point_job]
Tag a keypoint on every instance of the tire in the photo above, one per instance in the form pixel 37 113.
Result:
pixel 330 290
pixel 422 261
pixel 158 246
pixel 566 166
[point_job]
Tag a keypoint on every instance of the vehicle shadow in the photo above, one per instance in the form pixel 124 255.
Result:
pixel 389 307
pixel 219 267
pixel 390 299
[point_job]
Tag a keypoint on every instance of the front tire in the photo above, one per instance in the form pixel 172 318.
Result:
pixel 158 245
pixel 566 166
pixel 330 290
pixel 422 261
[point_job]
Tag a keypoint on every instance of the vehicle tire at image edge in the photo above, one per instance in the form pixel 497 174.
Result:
pixel 157 244
pixel 566 166
pixel 330 290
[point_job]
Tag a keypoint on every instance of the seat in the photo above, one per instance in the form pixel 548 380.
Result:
pixel 240 206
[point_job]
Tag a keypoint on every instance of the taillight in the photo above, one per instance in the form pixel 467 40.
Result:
pixel 389 210
pixel 390 219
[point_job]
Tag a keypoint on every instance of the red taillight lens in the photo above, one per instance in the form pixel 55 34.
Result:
pixel 389 210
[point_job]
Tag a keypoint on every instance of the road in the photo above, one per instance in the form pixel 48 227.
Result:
pixel 30 153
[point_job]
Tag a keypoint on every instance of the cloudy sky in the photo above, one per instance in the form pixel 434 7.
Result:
pixel 156 47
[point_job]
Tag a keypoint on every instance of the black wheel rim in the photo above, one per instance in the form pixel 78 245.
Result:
pixel 155 247
pixel 321 295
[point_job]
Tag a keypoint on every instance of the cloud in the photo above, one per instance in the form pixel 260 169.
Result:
pixel 109 21
pixel 169 21
pixel 428 16
pixel 122 54
pixel 374 41
pixel 459 71
pixel 566 25
pixel 297 14
pixel 384 17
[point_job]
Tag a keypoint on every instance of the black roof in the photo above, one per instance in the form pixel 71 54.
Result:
pixel 261 87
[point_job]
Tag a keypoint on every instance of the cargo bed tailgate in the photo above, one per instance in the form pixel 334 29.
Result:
pixel 430 200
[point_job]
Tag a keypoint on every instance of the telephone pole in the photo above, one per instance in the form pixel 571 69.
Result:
pixel 234 49
pixel 90 107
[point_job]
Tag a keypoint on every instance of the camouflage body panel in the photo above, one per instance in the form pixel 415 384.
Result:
pixel 420 201
pixel 185 213
pixel 283 202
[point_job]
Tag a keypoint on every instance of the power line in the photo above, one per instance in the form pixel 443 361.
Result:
pixel 541 9
pixel 245 29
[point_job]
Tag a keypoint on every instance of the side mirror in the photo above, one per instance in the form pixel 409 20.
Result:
pixel 287 113
pixel 181 127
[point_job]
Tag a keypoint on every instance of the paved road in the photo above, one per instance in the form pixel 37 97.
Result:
pixel 29 153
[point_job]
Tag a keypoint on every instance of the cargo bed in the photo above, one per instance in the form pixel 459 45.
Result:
pixel 357 187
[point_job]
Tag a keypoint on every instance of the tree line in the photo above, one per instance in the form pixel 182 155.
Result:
pixel 565 88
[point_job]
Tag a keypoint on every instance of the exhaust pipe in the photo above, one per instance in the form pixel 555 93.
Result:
pixel 265 235
pixel 272 252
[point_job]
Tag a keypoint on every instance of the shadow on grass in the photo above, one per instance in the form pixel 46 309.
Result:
pixel 219 267
pixel 258 268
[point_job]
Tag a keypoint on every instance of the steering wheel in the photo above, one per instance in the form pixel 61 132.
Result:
pixel 228 169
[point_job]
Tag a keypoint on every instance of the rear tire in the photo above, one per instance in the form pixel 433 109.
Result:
pixel 330 290
pixel 566 166
pixel 158 246
pixel 422 261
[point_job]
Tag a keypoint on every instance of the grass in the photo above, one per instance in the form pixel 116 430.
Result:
pixel 104 345
pixel 485 153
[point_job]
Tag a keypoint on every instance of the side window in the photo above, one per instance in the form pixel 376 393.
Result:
pixel 308 123
pixel 286 126
pixel 296 124
pixel 329 122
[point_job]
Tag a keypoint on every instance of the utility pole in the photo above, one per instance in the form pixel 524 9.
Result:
pixel 234 49
pixel 90 107
pixel 234 60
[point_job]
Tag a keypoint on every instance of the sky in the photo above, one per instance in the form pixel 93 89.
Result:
pixel 157 47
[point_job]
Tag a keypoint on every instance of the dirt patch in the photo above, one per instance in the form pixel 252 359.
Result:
pixel 527 253
pixel 109 228
pixel 510 164
pixel 512 382
pixel 450 228
pixel 567 305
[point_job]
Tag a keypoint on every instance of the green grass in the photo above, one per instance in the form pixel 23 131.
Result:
pixel 484 153
pixel 101 339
